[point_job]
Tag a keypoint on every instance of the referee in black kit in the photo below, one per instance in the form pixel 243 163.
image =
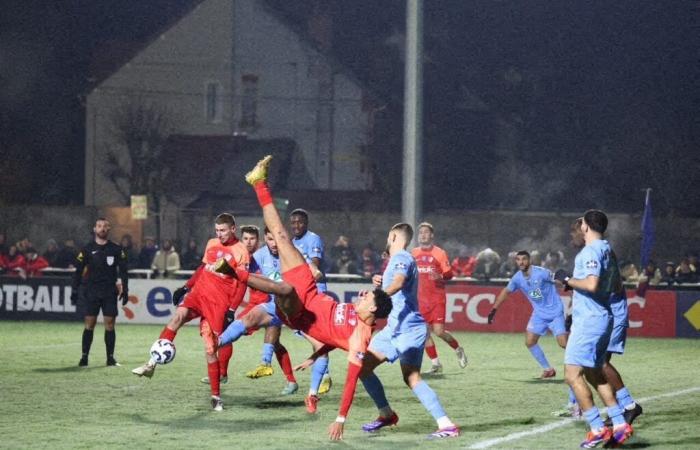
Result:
pixel 97 265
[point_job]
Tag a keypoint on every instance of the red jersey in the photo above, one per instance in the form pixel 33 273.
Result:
pixel 433 269
pixel 234 252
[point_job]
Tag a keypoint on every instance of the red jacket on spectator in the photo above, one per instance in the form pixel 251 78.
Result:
pixel 34 266
pixel 463 266
pixel 17 261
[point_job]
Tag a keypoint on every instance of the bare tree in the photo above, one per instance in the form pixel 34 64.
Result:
pixel 141 129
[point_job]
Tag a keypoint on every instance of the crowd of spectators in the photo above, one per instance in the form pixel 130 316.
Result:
pixel 23 258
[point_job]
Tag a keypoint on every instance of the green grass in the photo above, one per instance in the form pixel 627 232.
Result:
pixel 46 401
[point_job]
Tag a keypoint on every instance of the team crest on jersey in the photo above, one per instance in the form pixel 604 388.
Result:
pixel 316 249
pixel 219 254
pixel 110 260
pixel 593 264
pixel 340 314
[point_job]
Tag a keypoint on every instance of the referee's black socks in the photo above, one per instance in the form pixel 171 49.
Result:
pixel 87 341
pixel 110 340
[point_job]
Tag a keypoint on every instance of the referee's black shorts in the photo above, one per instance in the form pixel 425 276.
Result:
pixel 106 300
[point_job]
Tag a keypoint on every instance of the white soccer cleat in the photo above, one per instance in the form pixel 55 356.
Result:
pixel 146 370
pixel 461 357
pixel 435 369
pixel 216 403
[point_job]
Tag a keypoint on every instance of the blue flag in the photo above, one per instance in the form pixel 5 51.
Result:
pixel 647 231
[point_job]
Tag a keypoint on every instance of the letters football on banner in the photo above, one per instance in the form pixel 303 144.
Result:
pixel 139 207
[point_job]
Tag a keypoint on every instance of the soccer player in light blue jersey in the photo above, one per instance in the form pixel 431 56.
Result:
pixel 537 284
pixel 310 245
pixel 595 279
pixel 402 338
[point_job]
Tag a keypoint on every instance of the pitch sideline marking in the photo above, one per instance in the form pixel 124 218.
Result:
pixel 552 426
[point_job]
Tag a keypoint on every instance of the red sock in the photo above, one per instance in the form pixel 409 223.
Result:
pixel 263 193
pixel 213 370
pixel 224 355
pixel 453 343
pixel 431 352
pixel 168 334
pixel 285 363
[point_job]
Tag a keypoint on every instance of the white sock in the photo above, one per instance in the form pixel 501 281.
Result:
pixel 436 361
pixel 444 422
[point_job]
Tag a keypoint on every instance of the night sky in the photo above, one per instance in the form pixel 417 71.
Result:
pixel 528 105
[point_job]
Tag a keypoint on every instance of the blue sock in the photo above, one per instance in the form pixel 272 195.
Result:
pixel 624 398
pixel 317 371
pixel 538 354
pixel 232 333
pixel 374 388
pixel 593 418
pixel 429 399
pixel 615 413
pixel 268 350
pixel 572 397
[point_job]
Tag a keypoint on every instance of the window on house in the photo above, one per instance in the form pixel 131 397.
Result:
pixel 249 102
pixel 214 102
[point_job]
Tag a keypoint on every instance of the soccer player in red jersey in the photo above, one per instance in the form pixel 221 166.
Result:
pixel 209 295
pixel 303 307
pixel 433 269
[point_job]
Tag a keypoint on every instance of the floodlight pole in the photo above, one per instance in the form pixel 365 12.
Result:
pixel 412 192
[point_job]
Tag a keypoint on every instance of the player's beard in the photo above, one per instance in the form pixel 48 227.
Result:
pixel 102 234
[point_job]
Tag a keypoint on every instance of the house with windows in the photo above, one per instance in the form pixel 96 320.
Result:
pixel 223 84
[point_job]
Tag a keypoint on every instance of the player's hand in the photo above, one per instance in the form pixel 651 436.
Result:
pixel 377 280
pixel 562 276
pixel 178 294
pixel 305 365
pixel 335 431
pixel 124 297
pixel 229 317
pixel 492 315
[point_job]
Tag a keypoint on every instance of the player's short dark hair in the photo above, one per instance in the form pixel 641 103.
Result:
pixel 251 229
pixel 596 220
pixel 382 301
pixel 427 225
pixel 523 253
pixel 225 218
pixel 300 212
pixel 404 228
pixel 101 219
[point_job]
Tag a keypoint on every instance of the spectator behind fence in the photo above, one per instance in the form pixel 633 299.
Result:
pixel 66 255
pixel 132 259
pixel 370 261
pixel 651 274
pixel 669 274
pixel 191 257
pixel 685 273
pixel 342 244
pixel 463 265
pixel 693 260
pixel 166 260
pixel 14 261
pixel 345 264
pixel 554 261
pixel 508 267
pixel 148 251
pixel 51 253
pixel 34 263
pixel 628 272
pixel 536 258
pixel 487 264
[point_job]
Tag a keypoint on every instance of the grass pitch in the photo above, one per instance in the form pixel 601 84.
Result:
pixel 47 401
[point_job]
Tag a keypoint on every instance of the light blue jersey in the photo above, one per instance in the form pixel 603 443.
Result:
pixel 405 333
pixel 540 291
pixel 404 313
pixel 310 245
pixel 267 263
pixel 597 259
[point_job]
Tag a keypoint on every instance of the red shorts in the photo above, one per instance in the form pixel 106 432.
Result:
pixel 203 304
pixel 314 307
pixel 433 312
pixel 303 282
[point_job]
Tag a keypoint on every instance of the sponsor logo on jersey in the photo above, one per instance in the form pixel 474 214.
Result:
pixel 400 265
pixel 593 264
pixel 110 260
pixel 340 314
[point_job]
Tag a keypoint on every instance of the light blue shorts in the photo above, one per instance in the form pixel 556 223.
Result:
pixel 618 338
pixel 406 346
pixel 588 343
pixel 539 325
pixel 269 308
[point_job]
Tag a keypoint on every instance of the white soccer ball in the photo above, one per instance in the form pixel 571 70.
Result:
pixel 163 351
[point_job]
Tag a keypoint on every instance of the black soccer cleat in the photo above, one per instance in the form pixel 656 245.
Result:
pixel 629 414
pixel 112 362
pixel 83 361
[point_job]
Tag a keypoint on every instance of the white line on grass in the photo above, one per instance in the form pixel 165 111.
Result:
pixel 554 425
